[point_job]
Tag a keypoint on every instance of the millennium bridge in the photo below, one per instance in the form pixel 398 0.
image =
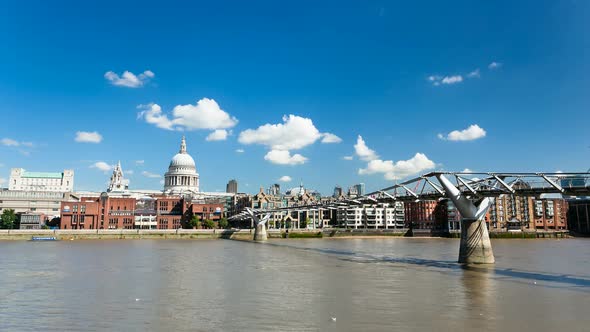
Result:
pixel 472 193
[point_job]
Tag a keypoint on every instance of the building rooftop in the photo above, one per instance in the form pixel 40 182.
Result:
pixel 42 175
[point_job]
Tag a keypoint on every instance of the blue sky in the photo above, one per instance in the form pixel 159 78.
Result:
pixel 396 73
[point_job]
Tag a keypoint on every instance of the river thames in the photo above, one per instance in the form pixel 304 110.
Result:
pixel 393 284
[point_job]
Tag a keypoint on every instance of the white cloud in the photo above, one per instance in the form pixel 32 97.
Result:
pixel 285 178
pixel 467 170
pixel 1 165
pixel 152 114
pixel 101 165
pixel 347 157
pixel 9 142
pixel 139 162
pixel 331 138
pixel 129 172
pixel 205 114
pixel 474 74
pixel 284 157
pixel 2 181
pixel 150 175
pixel 399 169
pixel 294 133
pixel 162 181
pixel 494 65
pixel 217 135
pixel 240 150
pixel 128 79
pixel 473 132
pixel 88 137
pixel 452 79
pixel 438 80
pixel 363 151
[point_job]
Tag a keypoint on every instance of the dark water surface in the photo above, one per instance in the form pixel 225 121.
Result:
pixel 292 285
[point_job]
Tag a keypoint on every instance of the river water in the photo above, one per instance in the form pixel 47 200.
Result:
pixel 395 284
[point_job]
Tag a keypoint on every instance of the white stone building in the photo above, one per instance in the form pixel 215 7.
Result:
pixel 61 182
pixel 385 216
pixel 182 176
pixel 45 202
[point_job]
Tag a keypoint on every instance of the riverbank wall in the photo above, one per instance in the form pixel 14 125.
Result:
pixel 243 234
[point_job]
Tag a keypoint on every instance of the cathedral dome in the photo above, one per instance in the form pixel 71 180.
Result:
pixel 182 160
pixel 182 173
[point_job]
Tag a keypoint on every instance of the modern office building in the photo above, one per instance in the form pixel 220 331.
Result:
pixel 61 182
pixel 360 189
pixel 232 186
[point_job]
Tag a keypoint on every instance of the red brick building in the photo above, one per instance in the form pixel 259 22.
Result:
pixel 113 212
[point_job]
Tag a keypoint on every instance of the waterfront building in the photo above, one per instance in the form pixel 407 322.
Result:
pixel 232 186
pixel 43 202
pixel 116 211
pixel 421 214
pixel 21 179
pixel 32 220
pixel 374 216
pixel 182 176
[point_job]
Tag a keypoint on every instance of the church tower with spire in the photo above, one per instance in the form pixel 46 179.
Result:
pixel 118 182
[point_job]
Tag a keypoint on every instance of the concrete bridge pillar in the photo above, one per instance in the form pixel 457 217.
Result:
pixel 260 233
pixel 475 246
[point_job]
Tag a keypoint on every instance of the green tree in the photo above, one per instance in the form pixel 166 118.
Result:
pixel 209 224
pixel 223 223
pixel 191 223
pixel 7 219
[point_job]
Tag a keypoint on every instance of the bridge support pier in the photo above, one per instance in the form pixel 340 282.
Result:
pixel 475 246
pixel 260 233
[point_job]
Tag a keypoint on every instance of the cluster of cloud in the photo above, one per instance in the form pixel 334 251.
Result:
pixel 285 178
pixel 88 137
pixel 390 169
pixel 294 133
pixel 15 143
pixel 2 181
pixel 128 79
pixel 471 133
pixel 205 114
pixel 102 166
pixel 240 150
pixel 438 80
pixel 218 135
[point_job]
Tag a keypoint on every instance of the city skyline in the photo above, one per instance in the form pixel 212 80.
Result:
pixel 403 90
